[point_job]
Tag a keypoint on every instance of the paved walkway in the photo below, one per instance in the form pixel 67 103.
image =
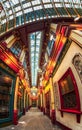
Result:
pixel 33 120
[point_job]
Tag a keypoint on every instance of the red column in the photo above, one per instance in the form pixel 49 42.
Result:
pixel 53 116
pixel 15 117
pixel 41 108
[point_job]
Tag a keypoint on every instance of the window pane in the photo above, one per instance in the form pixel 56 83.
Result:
pixel 5 91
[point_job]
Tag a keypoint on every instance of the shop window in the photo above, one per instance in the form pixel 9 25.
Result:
pixel 77 62
pixel 69 92
pixel 16 49
pixel 5 95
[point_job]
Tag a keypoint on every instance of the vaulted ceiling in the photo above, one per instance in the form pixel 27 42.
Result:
pixel 27 17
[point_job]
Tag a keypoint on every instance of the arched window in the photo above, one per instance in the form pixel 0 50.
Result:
pixel 69 95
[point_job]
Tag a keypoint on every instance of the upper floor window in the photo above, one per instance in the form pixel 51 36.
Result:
pixel 25 63
pixel 69 91
pixel 16 49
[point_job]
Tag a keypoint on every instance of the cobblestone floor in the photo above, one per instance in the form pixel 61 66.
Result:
pixel 33 120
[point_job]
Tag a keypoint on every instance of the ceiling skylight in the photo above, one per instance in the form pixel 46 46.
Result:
pixel 18 12
pixel 35 45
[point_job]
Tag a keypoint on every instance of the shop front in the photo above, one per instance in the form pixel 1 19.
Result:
pixel 7 83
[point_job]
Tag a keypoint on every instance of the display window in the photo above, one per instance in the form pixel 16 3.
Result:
pixel 6 95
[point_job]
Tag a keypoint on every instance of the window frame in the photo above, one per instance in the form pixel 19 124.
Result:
pixel 14 49
pixel 11 94
pixel 69 72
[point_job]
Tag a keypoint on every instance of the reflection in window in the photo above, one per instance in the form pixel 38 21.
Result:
pixel 5 93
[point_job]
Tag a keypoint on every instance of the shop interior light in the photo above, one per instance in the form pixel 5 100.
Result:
pixel 34 94
pixel 51 37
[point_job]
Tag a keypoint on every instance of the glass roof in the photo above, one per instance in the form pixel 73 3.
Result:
pixel 35 46
pixel 14 13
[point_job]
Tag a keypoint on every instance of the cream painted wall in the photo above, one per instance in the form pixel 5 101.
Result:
pixel 69 119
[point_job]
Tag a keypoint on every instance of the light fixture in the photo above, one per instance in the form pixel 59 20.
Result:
pixel 77 18
pixel 34 94
pixel 51 37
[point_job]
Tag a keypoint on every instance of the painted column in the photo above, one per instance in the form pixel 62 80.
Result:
pixel 15 113
pixel 52 104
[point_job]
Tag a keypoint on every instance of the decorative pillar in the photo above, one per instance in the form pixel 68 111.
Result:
pixel 15 112
pixel 52 104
